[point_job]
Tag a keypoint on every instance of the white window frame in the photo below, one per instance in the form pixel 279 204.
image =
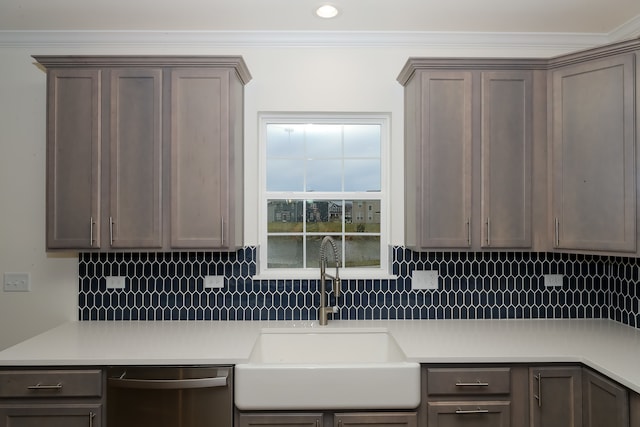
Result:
pixel 382 119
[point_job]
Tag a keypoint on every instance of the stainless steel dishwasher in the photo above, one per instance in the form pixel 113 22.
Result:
pixel 170 396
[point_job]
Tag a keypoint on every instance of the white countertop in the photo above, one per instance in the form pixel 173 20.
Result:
pixel 607 346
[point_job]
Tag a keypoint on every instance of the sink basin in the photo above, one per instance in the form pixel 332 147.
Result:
pixel 326 369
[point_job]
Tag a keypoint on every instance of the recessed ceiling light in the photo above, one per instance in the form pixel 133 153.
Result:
pixel 327 11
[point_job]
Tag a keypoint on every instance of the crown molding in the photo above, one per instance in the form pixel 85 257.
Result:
pixel 247 39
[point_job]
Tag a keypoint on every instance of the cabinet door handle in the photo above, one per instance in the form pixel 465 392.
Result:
pixel 468 232
pixel 91 417
pixel 476 384
pixel 488 231
pixel 91 232
pixel 538 396
pixel 471 411
pixel 557 231
pixel 111 230
pixel 222 231
pixel 41 386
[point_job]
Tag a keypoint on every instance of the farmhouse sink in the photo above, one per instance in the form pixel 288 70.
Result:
pixel 326 369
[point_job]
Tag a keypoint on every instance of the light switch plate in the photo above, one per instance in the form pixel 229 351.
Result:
pixel 17 282
pixel 553 280
pixel 424 279
pixel 213 282
pixel 116 282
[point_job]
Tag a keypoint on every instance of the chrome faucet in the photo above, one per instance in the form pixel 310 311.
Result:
pixel 323 311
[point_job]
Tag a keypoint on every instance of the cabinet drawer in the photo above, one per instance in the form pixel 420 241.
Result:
pixel 51 383
pixel 469 413
pixel 468 381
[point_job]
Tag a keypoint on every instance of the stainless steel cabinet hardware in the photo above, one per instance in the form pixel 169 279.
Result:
pixel 222 231
pixel 488 231
pixel 168 384
pixel 91 232
pixel 538 396
pixel 475 384
pixel 91 417
pixel 468 231
pixel 471 411
pixel 557 227
pixel 40 386
pixel 111 230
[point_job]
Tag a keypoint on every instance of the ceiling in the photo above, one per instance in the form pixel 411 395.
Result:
pixel 522 16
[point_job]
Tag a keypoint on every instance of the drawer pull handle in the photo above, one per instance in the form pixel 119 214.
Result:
pixel 471 411
pixel 475 384
pixel 41 386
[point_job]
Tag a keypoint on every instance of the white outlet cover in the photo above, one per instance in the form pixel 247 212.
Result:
pixel 424 279
pixel 17 282
pixel 553 280
pixel 214 282
pixel 116 282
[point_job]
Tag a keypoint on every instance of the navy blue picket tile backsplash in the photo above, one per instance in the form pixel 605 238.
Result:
pixel 473 285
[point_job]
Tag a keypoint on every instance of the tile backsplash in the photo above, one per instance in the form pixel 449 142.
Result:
pixel 472 285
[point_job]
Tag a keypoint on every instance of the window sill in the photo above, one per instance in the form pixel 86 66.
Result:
pixel 314 274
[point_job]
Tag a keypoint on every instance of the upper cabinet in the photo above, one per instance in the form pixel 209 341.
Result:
pixel 144 152
pixel 593 152
pixel 469 129
pixel 536 154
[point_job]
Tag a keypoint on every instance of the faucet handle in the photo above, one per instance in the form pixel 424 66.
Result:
pixel 336 287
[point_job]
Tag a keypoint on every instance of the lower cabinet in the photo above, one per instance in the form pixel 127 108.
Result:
pixel 277 419
pixel 555 396
pixel 476 396
pixel 51 398
pixel 634 409
pixel 327 419
pixel 51 415
pixel 605 403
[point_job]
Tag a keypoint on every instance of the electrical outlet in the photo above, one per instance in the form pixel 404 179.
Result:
pixel 553 280
pixel 116 282
pixel 213 282
pixel 424 279
pixel 17 282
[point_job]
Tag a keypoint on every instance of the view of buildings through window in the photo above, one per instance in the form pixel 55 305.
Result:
pixel 324 177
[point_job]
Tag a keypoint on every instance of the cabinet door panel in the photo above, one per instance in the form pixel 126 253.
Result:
pixel 281 420
pixel 199 158
pixel 469 414
pixel 376 419
pixel 506 159
pixel 73 159
pixel 594 186
pixel 556 396
pixel 135 158
pixel 445 159
pixel 606 404
pixel 51 415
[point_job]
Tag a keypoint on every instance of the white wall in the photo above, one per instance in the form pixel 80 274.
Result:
pixel 284 79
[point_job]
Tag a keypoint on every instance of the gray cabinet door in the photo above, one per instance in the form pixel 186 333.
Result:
pixel 593 150
pixel 605 403
pixel 203 159
pixel 73 158
pixel 556 396
pixel 135 136
pixel 376 419
pixel 507 119
pixel 51 415
pixel 279 419
pixel 438 160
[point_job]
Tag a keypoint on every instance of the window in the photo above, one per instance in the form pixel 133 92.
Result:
pixel 323 174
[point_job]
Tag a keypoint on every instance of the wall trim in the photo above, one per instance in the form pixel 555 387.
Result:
pixel 560 42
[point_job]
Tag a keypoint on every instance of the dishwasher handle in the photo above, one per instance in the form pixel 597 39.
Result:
pixel 191 383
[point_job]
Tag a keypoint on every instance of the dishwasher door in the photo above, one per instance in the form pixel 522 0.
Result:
pixel 170 396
